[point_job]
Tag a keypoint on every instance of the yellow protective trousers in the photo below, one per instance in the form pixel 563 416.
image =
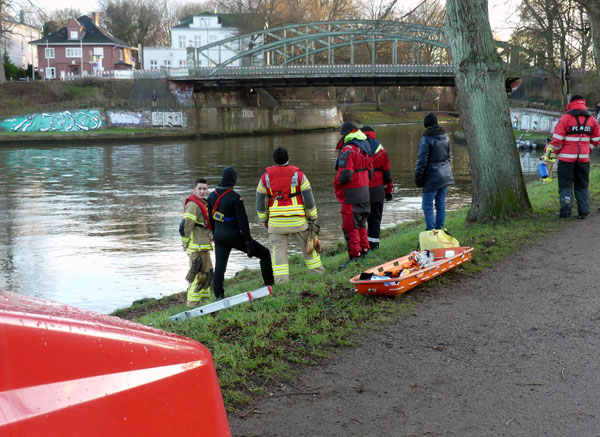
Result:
pixel 200 287
pixel 279 254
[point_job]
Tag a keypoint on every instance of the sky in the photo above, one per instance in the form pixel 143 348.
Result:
pixel 502 13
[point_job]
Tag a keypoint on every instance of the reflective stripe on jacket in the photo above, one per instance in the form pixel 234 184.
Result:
pixel 353 165
pixel 284 199
pixel 576 133
pixel 196 230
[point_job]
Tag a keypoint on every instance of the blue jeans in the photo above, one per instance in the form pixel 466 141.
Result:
pixel 437 221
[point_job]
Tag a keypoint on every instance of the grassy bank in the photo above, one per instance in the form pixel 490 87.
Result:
pixel 365 116
pixel 268 341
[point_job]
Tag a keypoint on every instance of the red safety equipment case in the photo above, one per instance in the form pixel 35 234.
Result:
pixel 67 372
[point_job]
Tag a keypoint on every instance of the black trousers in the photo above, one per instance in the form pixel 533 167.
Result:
pixel 374 224
pixel 573 176
pixel 222 252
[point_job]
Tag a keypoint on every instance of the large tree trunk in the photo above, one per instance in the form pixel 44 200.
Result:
pixel 498 185
pixel 593 10
pixel 2 72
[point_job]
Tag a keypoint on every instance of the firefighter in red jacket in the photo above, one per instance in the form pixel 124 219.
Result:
pixel 351 185
pixel 575 135
pixel 380 187
pixel 285 205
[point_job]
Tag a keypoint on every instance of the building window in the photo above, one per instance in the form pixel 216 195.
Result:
pixel 182 63
pixel 167 63
pixel 153 63
pixel 98 51
pixel 73 52
pixel 50 72
pixel 49 53
pixel 197 41
pixel 73 34
pixel 120 54
pixel 182 41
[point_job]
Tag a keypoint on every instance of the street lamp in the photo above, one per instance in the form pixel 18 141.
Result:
pixel 437 99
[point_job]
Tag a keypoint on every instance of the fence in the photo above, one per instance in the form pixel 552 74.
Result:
pixel 533 105
pixel 147 104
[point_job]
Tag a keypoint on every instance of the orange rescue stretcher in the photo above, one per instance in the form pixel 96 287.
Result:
pixel 405 273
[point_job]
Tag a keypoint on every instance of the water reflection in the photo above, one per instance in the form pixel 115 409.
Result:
pixel 96 226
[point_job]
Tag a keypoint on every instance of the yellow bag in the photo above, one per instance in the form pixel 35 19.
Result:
pixel 437 239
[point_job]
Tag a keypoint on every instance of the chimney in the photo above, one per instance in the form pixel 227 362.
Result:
pixel 96 18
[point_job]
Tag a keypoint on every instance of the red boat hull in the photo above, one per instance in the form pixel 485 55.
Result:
pixel 66 371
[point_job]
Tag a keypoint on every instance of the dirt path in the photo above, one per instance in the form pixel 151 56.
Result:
pixel 513 351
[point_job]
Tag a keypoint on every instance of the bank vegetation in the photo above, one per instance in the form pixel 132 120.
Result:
pixel 261 344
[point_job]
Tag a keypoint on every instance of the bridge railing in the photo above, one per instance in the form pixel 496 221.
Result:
pixel 311 70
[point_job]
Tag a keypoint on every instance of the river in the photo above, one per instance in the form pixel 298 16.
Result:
pixel 96 226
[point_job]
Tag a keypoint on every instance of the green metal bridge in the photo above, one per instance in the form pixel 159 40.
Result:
pixel 326 53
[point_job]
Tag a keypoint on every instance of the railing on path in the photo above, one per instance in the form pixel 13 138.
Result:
pixel 533 105
pixel 146 104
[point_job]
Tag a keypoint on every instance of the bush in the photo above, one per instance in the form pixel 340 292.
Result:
pixel 11 70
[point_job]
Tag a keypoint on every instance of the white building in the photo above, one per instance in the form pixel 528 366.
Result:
pixel 195 31
pixel 15 42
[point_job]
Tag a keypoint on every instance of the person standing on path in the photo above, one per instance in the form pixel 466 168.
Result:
pixel 286 207
pixel 433 172
pixel 351 185
pixel 575 134
pixel 381 186
pixel 196 236
pixel 231 230
pixel 548 158
pixel 154 98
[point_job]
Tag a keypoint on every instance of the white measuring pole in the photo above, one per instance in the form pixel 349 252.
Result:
pixel 223 303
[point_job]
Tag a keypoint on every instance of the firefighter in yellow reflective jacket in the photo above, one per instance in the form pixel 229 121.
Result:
pixel 285 204
pixel 196 236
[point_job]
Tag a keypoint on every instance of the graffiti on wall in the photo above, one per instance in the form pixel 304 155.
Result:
pixel 525 120
pixel 169 119
pixel 183 92
pixel 65 121
pixel 147 119
pixel 124 118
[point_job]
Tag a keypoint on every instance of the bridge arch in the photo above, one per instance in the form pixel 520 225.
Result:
pixel 330 42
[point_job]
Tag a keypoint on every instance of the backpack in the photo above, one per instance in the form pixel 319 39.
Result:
pixel 437 239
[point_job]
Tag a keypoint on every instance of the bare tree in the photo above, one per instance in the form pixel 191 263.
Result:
pixel 135 21
pixel 57 19
pixel 498 184
pixel 593 11
pixel 7 10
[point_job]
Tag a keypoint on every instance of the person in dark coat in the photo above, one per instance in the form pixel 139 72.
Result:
pixel 229 222
pixel 433 172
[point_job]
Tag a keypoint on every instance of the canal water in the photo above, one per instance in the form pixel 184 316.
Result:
pixel 96 226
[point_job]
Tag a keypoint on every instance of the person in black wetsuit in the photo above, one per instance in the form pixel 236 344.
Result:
pixel 231 230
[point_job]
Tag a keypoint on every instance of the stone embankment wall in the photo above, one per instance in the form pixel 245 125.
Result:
pixel 192 121
pixel 232 121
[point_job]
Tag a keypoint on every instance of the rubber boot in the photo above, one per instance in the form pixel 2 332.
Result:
pixel 349 261
pixel 566 203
